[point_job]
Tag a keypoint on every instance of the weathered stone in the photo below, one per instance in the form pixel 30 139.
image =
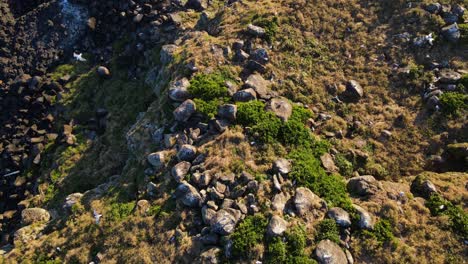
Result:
pixel 188 195
pixel 180 170
pixel 449 76
pixel 179 90
pixel 34 215
pixel 72 199
pixel 245 95
pixel 260 56
pixel 279 202
pixel 207 214
pixel 327 252
pixel 354 90
pixel 451 32
pixel 282 166
pixel 362 185
pixel 185 111
pixel 225 221
pixel 340 216
pixel 328 163
pixel 197 4
pixel 255 30
pixel 260 85
pixel 103 71
pixel 157 159
pixel 433 8
pixel 366 221
pixel 277 226
pixel 209 256
pixel 187 153
pixel 306 201
pixel 27 234
pixel 167 53
pixel 240 56
pixel 281 107
pixel 228 111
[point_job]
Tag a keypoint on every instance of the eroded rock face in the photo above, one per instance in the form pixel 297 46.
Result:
pixel 34 215
pixel 327 252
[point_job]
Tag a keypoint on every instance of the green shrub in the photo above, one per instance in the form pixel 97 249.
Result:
pixel 208 86
pixel 264 124
pixel 327 229
pixel 296 239
pixel 345 166
pixel 463 34
pixel 382 232
pixel 250 113
pixel 207 108
pixel 289 250
pixel 294 132
pixel 457 216
pixel 120 211
pixel 300 114
pixel 270 24
pixel 453 103
pixel 249 233
pixel 276 251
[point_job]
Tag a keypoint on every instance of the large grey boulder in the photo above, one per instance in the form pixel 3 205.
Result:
pixel 180 170
pixel 306 201
pixel 279 202
pixel 449 76
pixel 34 215
pixel 354 91
pixel 188 195
pixel 281 107
pixel 282 166
pixel 187 153
pixel 451 33
pixel 225 220
pixel 185 111
pixel 256 30
pixel 228 112
pixel 327 252
pixel 277 226
pixel 179 90
pixel 340 216
pixel 366 221
pixel 259 84
pixel 362 185
pixel 245 95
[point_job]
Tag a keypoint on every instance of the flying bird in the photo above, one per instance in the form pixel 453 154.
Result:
pixel 78 56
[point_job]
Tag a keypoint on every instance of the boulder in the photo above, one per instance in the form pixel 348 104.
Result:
pixel 279 202
pixel 327 252
pixel 328 163
pixel 103 72
pixel 260 56
pixel 433 8
pixel 423 187
pixel 185 111
pixel 366 220
pixel 281 107
pixel 188 195
pixel 260 85
pixel 277 226
pixel 354 90
pixel 245 95
pixel 306 201
pixel 187 153
pixel 340 216
pixel 451 33
pixel 228 111
pixel 180 170
pixel 179 90
pixel 207 214
pixel 157 159
pixel 210 256
pixel 198 5
pixel 72 199
pixel 34 215
pixel 362 185
pixel 282 166
pixel 255 30
pixel 225 220
pixel 449 76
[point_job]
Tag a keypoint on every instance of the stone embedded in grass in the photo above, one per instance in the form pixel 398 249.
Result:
pixel 451 33
pixel 366 221
pixel 354 91
pixel 34 215
pixel 256 30
pixel 180 170
pixel 330 253
pixel 281 107
pixel 282 166
pixel 259 84
pixel 103 72
pixel 279 202
pixel 228 111
pixel 245 95
pixel 328 163
pixel 260 55
pixel 72 199
pixel 187 153
pixel 185 111
pixel 340 216
pixel 277 226
pixel 362 185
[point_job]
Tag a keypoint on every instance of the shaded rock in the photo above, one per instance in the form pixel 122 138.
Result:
pixel 328 163
pixel 260 85
pixel 179 90
pixel 340 216
pixel 281 107
pixel 433 8
pixel 72 199
pixel 225 221
pixel 362 185
pixel 185 111
pixel 207 214
pixel 228 111
pixel 277 226
pixel 260 56
pixel 366 221
pixel 187 153
pixel 327 252
pixel 167 53
pixel 197 4
pixel 449 76
pixel 34 215
pixel 157 159
pixel 209 256
pixel 306 201
pixel 451 33
pixel 240 56
pixel 354 90
pixel 423 187
pixel 180 170
pixel 255 30
pixel 103 71
pixel 282 166
pixel 210 239
pixel 188 195
pixel 245 95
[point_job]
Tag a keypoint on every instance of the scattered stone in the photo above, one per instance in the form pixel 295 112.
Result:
pixel 228 111
pixel 260 85
pixel 282 166
pixel 260 56
pixel 362 185
pixel 277 226
pixel 281 107
pixel 157 159
pixel 188 195
pixel 433 8
pixel 179 90
pixel 255 30
pixel 34 215
pixel 187 153
pixel 354 90
pixel 279 202
pixel 103 72
pixel 276 183
pixel 180 170
pixel 198 5
pixel 185 111
pixel 225 221
pixel 365 219
pixel 327 252
pixel 449 76
pixel 207 214
pixel 340 216
pixel 245 95
pixel 72 199
pixel 143 206
pixel 423 187
pixel 306 201
pixel 209 256
pixel 451 33
pixel 328 163
pixel 240 56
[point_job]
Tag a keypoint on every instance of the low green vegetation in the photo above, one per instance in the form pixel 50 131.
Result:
pixel 454 103
pixel 463 33
pixel 120 211
pixel 248 234
pixel 270 24
pixel 345 166
pixel 382 232
pixel 458 218
pixel 327 229
pixel 209 91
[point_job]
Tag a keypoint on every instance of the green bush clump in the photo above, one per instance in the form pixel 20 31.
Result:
pixel 270 24
pixel 382 232
pixel 248 234
pixel 289 250
pixel 327 229
pixel 207 108
pixel 276 251
pixel 308 172
pixel 454 103
pixel 457 216
pixel 345 166
pixel 120 211
pixel 208 86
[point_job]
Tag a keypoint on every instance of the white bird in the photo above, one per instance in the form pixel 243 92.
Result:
pixel 78 56
pixel 97 216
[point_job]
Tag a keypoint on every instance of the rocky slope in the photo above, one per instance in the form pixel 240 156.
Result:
pixel 239 131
